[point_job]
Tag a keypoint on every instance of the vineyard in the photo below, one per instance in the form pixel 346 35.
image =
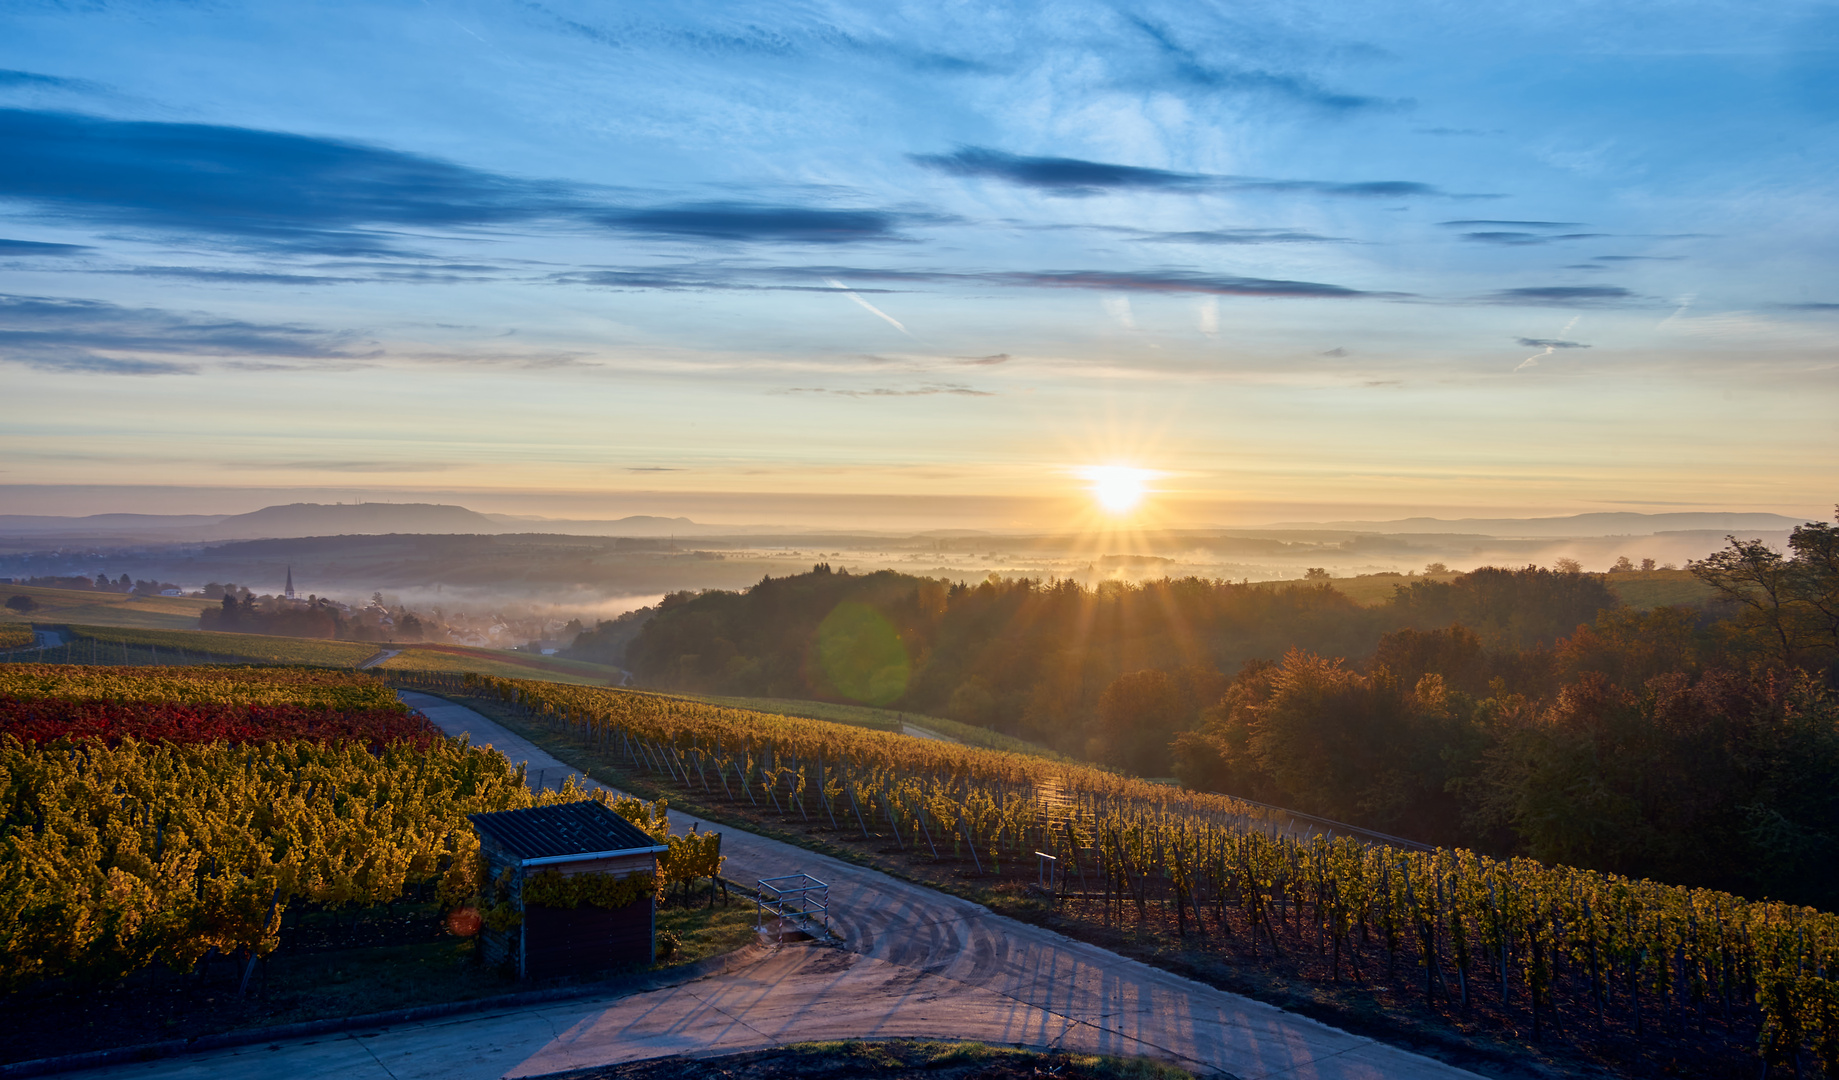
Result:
pixel 879 719
pixel 16 636
pixel 457 658
pixel 1554 948
pixel 156 816
pixel 194 686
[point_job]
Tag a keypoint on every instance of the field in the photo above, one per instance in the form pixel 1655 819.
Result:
pixel 1604 970
pixel 137 646
pixel 1371 590
pixel 1644 589
pixel 125 645
pixel 504 664
pixel 868 716
pixel 1640 589
pixel 105 608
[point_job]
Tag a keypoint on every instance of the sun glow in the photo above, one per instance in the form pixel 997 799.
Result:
pixel 1118 488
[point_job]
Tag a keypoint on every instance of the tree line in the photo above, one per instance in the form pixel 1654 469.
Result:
pixel 1515 711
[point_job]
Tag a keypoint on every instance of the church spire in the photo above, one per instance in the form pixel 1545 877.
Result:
pixel 290 583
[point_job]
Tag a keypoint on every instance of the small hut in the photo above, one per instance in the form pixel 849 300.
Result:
pixel 583 880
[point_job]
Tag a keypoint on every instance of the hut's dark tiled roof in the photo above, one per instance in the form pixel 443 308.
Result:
pixel 576 828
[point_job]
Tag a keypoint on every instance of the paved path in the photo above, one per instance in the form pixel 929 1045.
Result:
pixel 915 963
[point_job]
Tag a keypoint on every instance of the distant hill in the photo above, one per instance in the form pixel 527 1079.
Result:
pixel 1576 525
pixel 319 519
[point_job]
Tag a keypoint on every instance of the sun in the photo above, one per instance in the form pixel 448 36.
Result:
pixel 1118 488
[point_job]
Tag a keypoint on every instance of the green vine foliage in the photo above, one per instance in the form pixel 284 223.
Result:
pixel 501 917
pixel 551 888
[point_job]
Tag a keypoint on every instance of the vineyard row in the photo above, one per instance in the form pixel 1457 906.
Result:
pixel 1470 925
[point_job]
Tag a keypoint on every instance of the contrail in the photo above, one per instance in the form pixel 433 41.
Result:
pixel 1533 361
pixel 1684 303
pixel 892 321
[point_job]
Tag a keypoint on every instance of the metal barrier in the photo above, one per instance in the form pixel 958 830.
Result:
pixel 796 899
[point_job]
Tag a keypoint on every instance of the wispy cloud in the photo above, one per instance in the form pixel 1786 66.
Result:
pixel 1548 346
pixel 238 277
pixel 712 278
pixel 716 276
pixel 1495 223
pixel 889 392
pixel 34 248
pixel 1237 237
pixel 314 465
pixel 1078 177
pixel 1509 238
pixel 1175 281
pixel 301 193
pixel 747 222
pixel 1194 70
pixel 32 80
pixel 1563 295
pixel 55 334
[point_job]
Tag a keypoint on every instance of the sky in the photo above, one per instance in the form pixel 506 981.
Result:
pixel 920 263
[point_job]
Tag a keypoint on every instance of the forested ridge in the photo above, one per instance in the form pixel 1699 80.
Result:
pixel 1516 711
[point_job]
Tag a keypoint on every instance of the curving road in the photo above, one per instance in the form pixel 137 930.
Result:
pixel 914 963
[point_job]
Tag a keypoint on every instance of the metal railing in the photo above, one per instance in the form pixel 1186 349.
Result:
pixel 798 900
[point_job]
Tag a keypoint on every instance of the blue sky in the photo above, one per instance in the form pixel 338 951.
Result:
pixel 1296 259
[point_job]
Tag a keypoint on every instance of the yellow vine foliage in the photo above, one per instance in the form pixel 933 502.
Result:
pixel 1525 915
pixel 115 858
pixel 314 688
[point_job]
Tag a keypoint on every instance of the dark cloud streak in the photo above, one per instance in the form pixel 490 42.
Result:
pixel 1163 281
pixel 308 194
pixel 36 248
pixel 1526 239
pixel 1563 295
pixel 1076 177
pixel 1187 67
pixel 55 334
pixel 888 392
pixel 753 222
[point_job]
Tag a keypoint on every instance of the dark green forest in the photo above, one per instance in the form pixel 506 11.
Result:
pixel 1511 710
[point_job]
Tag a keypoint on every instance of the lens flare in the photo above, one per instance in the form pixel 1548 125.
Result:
pixel 1118 488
